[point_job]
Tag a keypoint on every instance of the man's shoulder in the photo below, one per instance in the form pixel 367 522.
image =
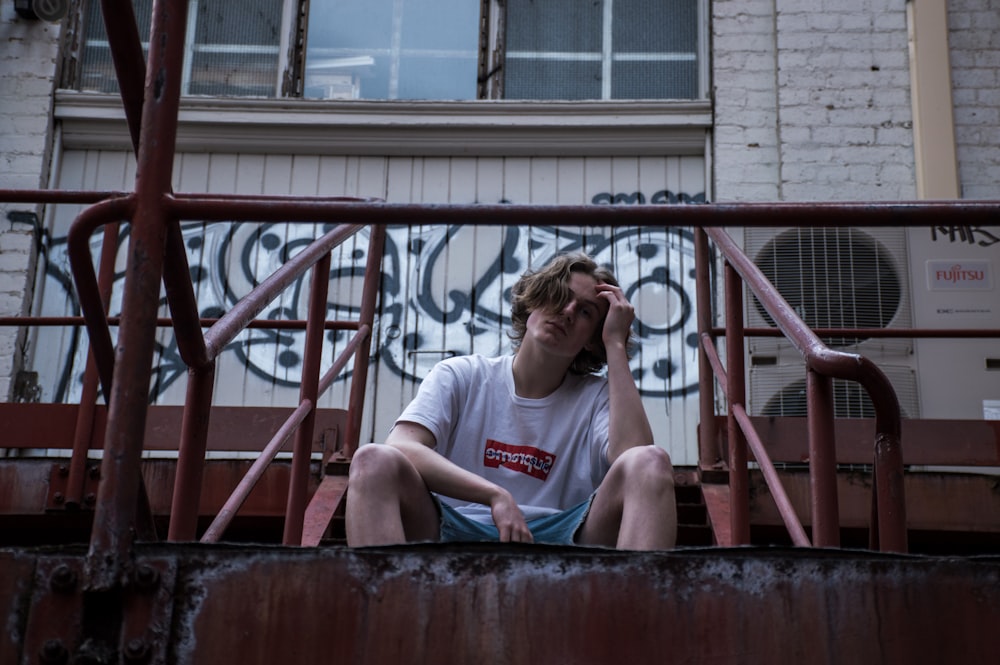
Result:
pixel 474 363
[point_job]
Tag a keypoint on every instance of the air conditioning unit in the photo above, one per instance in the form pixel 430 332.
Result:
pixel 780 390
pixel 852 278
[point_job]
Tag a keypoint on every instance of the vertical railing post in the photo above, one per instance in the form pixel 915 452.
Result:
pixel 739 490
pixel 84 429
pixel 359 376
pixel 114 517
pixel 308 392
pixel 191 453
pixel 708 449
pixel 822 460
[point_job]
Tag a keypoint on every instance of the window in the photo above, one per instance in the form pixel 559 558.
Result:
pixel 430 49
pixel 225 55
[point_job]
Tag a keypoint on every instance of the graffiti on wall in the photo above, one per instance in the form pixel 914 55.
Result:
pixel 445 291
pixel 972 235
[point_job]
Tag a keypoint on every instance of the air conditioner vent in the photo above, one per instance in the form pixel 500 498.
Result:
pixel 781 391
pixel 836 278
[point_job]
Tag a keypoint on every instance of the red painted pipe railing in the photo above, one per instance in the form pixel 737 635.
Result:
pixel 154 257
pixel 822 365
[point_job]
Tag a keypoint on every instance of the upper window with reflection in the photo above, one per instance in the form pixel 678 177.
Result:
pixel 426 49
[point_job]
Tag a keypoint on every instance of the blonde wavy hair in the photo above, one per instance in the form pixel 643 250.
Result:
pixel 548 289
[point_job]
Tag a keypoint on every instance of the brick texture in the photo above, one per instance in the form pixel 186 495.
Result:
pixel 974 40
pixel 812 101
pixel 27 67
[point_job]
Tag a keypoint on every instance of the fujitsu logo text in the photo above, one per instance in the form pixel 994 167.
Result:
pixel 957 274
pixel 526 459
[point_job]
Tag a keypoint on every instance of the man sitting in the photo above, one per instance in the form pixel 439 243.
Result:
pixel 529 447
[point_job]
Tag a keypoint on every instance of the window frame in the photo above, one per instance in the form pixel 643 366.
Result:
pixel 295 125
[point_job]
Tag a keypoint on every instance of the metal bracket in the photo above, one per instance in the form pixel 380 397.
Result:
pixel 57 497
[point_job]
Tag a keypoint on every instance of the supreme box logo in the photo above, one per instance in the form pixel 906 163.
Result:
pixel 525 459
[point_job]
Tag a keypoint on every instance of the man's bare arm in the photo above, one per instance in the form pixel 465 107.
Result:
pixel 628 425
pixel 444 477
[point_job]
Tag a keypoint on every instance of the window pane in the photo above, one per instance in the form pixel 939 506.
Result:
pixel 601 49
pixel 97 71
pixel 654 80
pixel 549 79
pixel 392 49
pixel 663 26
pixel 553 25
pixel 232 48
pixel 236 53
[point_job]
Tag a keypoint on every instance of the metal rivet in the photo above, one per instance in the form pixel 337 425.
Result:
pixel 53 653
pixel 146 577
pixel 136 651
pixel 63 579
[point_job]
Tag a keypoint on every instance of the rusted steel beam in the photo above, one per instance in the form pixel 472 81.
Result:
pixel 115 515
pixel 518 604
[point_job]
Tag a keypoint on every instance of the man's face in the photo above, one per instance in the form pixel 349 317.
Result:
pixel 567 331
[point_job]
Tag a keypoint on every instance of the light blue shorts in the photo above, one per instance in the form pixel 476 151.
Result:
pixel 555 529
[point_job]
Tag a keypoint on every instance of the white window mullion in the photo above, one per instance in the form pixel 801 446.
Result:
pixel 396 46
pixel 192 26
pixel 606 48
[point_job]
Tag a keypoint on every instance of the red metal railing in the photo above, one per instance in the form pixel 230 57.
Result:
pixel 822 365
pixel 155 254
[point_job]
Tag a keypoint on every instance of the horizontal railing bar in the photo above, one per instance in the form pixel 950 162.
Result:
pixel 881 333
pixel 113 321
pixel 804 215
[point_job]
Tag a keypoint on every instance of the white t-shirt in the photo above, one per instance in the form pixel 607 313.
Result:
pixel 549 453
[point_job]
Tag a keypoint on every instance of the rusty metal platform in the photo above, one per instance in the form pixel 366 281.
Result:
pixel 502 604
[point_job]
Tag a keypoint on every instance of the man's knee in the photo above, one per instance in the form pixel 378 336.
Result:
pixel 376 463
pixel 649 465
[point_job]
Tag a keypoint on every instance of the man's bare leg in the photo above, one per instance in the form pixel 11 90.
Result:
pixel 387 501
pixel 635 507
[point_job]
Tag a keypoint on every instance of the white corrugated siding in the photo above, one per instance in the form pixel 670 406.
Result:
pixel 444 285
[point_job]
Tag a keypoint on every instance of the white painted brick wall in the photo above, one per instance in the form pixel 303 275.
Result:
pixel 28 53
pixel 974 40
pixel 746 157
pixel 812 101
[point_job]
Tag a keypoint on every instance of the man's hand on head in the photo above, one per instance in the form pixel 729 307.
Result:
pixel 621 314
